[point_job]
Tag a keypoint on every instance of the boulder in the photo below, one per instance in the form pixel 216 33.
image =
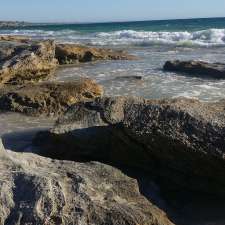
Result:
pixel 180 142
pixel 72 53
pixel 36 190
pixel 47 98
pixel 197 68
pixel 23 61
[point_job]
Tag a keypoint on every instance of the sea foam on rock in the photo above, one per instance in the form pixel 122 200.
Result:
pixel 37 190
pixel 180 142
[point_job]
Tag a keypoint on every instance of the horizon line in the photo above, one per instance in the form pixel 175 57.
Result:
pixel 113 21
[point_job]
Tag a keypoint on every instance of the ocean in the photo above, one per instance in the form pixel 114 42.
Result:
pixel 154 42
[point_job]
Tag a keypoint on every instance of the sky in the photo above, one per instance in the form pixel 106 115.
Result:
pixel 108 10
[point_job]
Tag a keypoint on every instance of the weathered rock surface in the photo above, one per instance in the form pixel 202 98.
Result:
pixel 36 190
pixel 47 98
pixel 180 142
pixel 71 53
pixel 197 68
pixel 24 61
pixel 15 38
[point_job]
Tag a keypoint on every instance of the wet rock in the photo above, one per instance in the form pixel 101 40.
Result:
pixel 23 61
pixel 132 78
pixel 47 98
pixel 180 142
pixel 36 190
pixel 197 68
pixel 71 53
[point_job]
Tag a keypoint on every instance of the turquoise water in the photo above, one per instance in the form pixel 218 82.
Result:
pixel 160 25
pixel 197 32
pixel 154 42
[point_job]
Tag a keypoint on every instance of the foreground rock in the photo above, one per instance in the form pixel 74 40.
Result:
pixel 180 142
pixel 197 68
pixel 23 61
pixel 47 98
pixel 36 190
pixel 71 53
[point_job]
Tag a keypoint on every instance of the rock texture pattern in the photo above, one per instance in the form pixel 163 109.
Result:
pixel 197 68
pixel 71 53
pixel 36 190
pixel 47 98
pixel 25 62
pixel 15 38
pixel 180 142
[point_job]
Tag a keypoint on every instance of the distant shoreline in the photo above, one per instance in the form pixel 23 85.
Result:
pixel 24 23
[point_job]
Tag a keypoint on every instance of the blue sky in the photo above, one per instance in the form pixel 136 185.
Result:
pixel 108 10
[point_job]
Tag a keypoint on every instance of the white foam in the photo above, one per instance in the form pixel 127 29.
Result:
pixel 210 37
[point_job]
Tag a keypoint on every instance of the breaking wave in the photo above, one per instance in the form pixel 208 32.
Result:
pixel 211 37
pixel 207 38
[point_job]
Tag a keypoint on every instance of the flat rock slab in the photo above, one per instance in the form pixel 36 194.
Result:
pixel 36 190
pixel 180 142
pixel 72 53
pixel 47 98
pixel 197 68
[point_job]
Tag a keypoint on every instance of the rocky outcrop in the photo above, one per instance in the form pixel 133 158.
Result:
pixel 36 190
pixel 180 142
pixel 71 53
pixel 197 68
pixel 15 38
pixel 47 98
pixel 26 62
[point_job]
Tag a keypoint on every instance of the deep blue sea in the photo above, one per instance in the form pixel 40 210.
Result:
pixel 154 42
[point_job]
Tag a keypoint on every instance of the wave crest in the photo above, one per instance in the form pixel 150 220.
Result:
pixel 210 37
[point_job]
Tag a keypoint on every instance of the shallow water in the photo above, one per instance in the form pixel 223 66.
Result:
pixel 155 82
pixel 17 131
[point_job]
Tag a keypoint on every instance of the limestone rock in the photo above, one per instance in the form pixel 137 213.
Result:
pixel 36 190
pixel 71 53
pixel 25 62
pixel 180 142
pixel 197 68
pixel 15 38
pixel 47 98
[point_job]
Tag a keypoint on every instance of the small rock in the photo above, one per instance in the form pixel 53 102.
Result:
pixel 197 68
pixel 129 78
